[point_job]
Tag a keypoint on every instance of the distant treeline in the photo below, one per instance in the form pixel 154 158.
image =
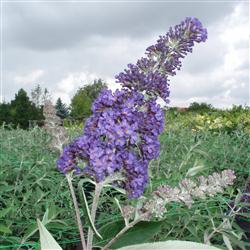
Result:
pixel 203 108
pixel 25 110
pixel 20 110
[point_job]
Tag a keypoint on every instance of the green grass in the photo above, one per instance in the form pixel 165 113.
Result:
pixel 30 185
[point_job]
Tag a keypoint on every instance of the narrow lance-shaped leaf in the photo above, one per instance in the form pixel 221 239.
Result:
pixel 170 245
pixel 4 211
pixel 4 229
pixel 46 239
pixel 120 208
pixel 86 207
pixel 195 170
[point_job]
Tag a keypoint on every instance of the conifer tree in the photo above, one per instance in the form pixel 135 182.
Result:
pixel 61 109
pixel 22 110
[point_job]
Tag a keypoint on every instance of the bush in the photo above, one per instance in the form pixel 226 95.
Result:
pixel 28 178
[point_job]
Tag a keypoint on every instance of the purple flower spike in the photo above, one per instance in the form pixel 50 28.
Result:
pixel 163 59
pixel 122 134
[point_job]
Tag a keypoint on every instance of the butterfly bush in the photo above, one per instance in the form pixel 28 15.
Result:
pixel 122 133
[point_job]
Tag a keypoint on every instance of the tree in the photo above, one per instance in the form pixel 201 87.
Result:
pixel 80 105
pixel 61 109
pixel 45 96
pixel 200 107
pixel 36 95
pixel 5 115
pixel 82 100
pixel 94 89
pixel 39 96
pixel 22 110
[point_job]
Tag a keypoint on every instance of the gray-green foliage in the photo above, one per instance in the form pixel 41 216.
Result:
pixel 46 239
pixel 170 245
pixel 183 149
pixel 30 185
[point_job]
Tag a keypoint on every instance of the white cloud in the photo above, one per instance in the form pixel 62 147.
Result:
pixel 67 86
pixel 29 78
pixel 113 52
pixel 226 83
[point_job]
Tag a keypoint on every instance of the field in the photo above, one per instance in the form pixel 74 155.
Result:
pixel 31 187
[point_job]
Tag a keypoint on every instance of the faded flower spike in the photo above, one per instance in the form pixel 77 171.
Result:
pixel 186 191
pixel 53 125
pixel 122 134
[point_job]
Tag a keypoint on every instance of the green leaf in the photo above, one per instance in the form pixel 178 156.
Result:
pixel 45 217
pixel 233 240
pixel 120 208
pixel 108 234
pixel 87 180
pixel 193 231
pixel 195 170
pixel 134 235
pixel 6 189
pixel 50 214
pixel 4 211
pixel 4 229
pixel 140 233
pixel 227 242
pixel 86 208
pixel 120 190
pixel 32 229
pixel 46 239
pixel 56 225
pixel 170 245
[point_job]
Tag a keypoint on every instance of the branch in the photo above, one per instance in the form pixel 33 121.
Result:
pixel 97 193
pixel 124 230
pixel 78 218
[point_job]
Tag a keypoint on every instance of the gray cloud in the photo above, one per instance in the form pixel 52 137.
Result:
pixel 54 26
pixel 72 41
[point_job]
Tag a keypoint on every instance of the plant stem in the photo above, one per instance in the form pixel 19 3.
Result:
pixel 124 230
pixel 78 218
pixel 98 189
pixel 232 214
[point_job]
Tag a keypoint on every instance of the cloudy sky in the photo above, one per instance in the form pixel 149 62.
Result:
pixel 64 45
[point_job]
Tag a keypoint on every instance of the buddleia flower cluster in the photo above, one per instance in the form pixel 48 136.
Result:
pixel 122 133
pixel 150 73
